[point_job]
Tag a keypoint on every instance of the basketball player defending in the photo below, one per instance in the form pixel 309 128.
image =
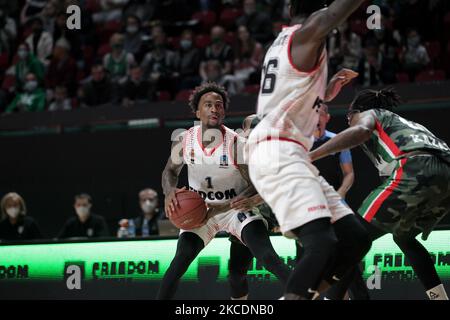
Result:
pixel 292 88
pixel 415 195
pixel 211 152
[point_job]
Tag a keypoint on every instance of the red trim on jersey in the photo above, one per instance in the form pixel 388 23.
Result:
pixel 291 62
pixel 386 193
pixel 387 140
pixel 269 138
pixel 231 151
pixel 185 137
pixel 199 139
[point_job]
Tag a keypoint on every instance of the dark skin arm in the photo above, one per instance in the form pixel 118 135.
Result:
pixel 309 40
pixel 170 179
pixel 348 177
pixel 248 198
pixel 359 132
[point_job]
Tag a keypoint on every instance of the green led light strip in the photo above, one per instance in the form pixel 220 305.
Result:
pixel 147 260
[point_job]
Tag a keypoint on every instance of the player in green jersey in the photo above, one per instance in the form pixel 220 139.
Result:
pixel 415 194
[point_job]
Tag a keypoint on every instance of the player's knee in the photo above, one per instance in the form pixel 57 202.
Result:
pixel 322 244
pixel 186 255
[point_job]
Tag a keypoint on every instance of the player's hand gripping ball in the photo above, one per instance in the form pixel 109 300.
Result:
pixel 191 211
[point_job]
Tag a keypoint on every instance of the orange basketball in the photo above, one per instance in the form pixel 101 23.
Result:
pixel 191 211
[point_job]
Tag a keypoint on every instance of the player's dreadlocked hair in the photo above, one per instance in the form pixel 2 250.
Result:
pixel 370 99
pixel 207 87
pixel 306 7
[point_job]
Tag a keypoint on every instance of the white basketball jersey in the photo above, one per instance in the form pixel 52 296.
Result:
pixel 288 98
pixel 213 172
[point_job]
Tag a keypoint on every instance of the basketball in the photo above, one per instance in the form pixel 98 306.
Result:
pixel 191 212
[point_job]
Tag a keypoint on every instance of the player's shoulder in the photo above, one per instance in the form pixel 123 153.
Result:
pixel 230 132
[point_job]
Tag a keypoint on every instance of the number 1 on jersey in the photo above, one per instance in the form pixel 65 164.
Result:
pixel 208 179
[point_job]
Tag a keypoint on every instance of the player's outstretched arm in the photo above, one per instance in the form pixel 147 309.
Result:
pixel 319 25
pixel 348 177
pixel 308 41
pixel 354 136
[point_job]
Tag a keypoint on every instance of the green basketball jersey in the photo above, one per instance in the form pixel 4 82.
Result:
pixel 394 136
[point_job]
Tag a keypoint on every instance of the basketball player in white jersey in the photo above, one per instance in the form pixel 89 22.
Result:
pixel 210 151
pixel 293 86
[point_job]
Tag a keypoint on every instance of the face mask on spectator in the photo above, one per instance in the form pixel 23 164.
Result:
pixel 148 206
pixel 186 44
pixel 22 54
pixel 13 212
pixel 30 85
pixel 132 29
pixel 117 46
pixel 82 211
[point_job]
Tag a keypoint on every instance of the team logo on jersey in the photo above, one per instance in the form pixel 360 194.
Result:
pixel 223 161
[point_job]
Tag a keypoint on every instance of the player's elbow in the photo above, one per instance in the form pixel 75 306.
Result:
pixel 364 132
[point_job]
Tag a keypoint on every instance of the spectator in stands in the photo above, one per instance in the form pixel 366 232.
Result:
pixel 258 23
pixel 98 90
pixel 8 33
pixel 32 99
pixel 110 10
pixel 415 57
pixel 27 63
pixel 118 61
pixel 48 15
pixel 219 51
pixel 369 66
pixel 136 88
pixel 60 31
pixel 62 69
pixel 160 64
pixel 39 41
pixel 133 37
pixel 60 100
pixel 351 47
pixel 249 56
pixel 189 58
pixel 214 73
pixel 147 222
pixel 142 9
pixel 31 9
pixel 385 37
pixel 15 224
pixel 86 223
pixel 345 49
pixel 390 65
pixel 87 33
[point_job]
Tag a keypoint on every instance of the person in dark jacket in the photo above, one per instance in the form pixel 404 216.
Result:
pixel 99 90
pixel 86 223
pixel 15 223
